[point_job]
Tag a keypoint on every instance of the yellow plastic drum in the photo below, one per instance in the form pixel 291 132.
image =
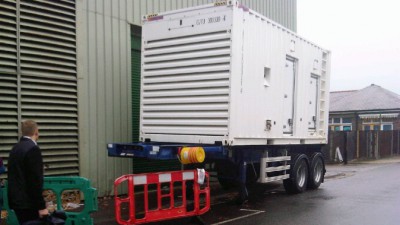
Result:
pixel 192 155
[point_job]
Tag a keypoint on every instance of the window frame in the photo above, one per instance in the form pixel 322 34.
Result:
pixel 372 125
pixel 339 123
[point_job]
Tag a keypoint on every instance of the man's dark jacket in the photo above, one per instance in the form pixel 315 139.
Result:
pixel 25 176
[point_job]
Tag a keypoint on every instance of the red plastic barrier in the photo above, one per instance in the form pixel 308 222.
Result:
pixel 179 205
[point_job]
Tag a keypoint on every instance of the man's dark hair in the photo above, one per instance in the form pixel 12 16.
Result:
pixel 28 128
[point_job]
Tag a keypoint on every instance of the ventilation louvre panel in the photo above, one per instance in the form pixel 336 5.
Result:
pixel 8 77
pixel 186 85
pixel 47 78
pixel 48 81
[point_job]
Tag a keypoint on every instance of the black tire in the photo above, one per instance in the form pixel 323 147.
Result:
pixel 317 171
pixel 297 182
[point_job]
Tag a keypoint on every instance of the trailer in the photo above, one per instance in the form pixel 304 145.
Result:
pixel 224 81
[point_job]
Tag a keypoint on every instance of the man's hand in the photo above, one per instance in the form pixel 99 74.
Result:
pixel 43 213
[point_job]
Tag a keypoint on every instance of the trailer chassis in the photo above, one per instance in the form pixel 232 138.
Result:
pixel 299 166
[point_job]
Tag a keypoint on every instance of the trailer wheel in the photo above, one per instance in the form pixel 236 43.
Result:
pixel 317 171
pixel 297 183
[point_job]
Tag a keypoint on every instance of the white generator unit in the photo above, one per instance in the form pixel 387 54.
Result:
pixel 222 73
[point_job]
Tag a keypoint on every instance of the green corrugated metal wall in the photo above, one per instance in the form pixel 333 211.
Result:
pixel 135 65
pixel 142 165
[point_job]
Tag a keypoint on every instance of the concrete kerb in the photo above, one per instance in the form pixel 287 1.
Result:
pixel 386 160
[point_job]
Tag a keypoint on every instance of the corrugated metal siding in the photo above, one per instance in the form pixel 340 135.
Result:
pixel 281 11
pixel 41 81
pixel 104 89
pixel 104 73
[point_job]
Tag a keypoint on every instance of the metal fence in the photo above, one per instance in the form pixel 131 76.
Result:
pixel 362 145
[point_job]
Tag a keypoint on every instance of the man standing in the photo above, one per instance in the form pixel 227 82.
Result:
pixel 25 176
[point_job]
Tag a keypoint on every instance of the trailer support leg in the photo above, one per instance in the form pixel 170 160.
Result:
pixel 243 192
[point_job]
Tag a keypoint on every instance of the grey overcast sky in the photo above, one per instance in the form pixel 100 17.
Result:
pixel 363 36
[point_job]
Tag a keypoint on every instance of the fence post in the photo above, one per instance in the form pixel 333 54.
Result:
pixel 377 149
pixel 371 145
pixel 391 148
pixel 331 150
pixel 358 144
pixel 345 148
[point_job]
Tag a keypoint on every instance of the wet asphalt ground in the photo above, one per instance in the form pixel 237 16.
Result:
pixel 366 193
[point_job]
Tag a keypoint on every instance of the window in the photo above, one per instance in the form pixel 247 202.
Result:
pixel 378 126
pixel 387 127
pixel 347 120
pixel 381 121
pixel 341 124
pixel 346 128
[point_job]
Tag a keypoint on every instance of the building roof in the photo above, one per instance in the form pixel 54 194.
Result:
pixel 337 95
pixel 370 98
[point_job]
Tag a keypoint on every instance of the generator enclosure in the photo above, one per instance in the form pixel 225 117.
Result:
pixel 224 74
